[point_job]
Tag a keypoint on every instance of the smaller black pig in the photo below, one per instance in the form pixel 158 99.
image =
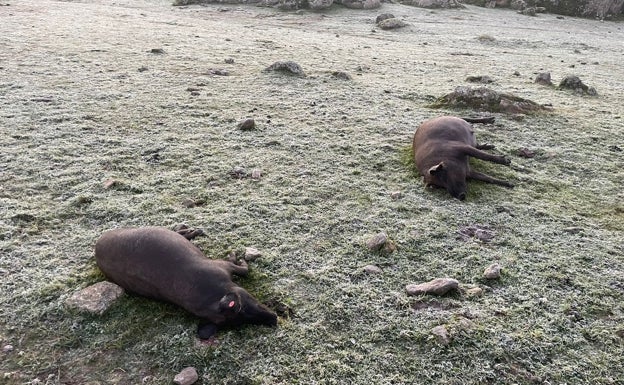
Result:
pixel 441 149
pixel 161 264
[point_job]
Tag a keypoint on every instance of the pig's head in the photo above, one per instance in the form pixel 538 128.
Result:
pixel 239 307
pixel 235 308
pixel 450 176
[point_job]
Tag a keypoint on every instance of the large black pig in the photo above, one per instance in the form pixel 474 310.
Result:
pixel 162 264
pixel 441 149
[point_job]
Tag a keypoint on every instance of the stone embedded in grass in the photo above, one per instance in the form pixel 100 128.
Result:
pixel 575 84
pixel 341 75
pixel 157 51
pixel 381 243
pixel 372 269
pixel 396 195
pixel 543 78
pixel 95 299
pixel 474 292
pixel 480 232
pixel 486 99
pixel 320 4
pixel 492 272
pixel 441 334
pixel 382 17
pixel 251 254
pixel 361 4
pixel 187 376
pixel 392 23
pixel 256 174
pixel 110 183
pixel 246 125
pixel 480 79
pixel 438 286
pixel 286 67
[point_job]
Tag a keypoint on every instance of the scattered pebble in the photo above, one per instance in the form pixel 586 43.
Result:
pixel 247 125
pixel 381 242
pixel 392 23
pixel 95 299
pixel 438 286
pixel 341 75
pixel 543 79
pixel 492 272
pixel 480 79
pixel 256 174
pixel 575 84
pixel 287 67
pixel 383 16
pixel 187 376
pixel 395 195
pixel 251 254
pixel 525 153
pixel 474 292
pixel 229 61
pixel 372 269
pixel 157 51
pixel 7 348
pixel 441 334
pixel 480 232
pixel 109 183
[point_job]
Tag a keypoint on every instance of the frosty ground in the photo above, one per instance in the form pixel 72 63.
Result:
pixel 85 99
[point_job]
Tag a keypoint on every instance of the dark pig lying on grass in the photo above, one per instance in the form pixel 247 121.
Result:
pixel 441 149
pixel 162 264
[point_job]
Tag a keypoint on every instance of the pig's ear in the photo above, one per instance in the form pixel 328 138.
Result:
pixel 230 303
pixel 437 168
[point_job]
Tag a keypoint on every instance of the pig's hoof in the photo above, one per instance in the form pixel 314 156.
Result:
pixel 205 331
pixel 187 232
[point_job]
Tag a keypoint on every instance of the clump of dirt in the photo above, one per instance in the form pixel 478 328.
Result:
pixel 486 99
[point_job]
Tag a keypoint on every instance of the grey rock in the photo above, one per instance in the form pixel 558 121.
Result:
pixel 247 125
pixel 383 17
pixel 492 272
pixel 372 269
pixel 438 286
pixel 441 334
pixel 95 299
pixel 286 67
pixel 320 4
pixel 187 376
pixel 393 23
pixel 361 4
pixel 251 254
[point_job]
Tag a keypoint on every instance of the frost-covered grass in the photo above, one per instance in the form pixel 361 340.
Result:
pixel 76 111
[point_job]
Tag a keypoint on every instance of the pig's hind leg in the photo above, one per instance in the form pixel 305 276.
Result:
pixel 486 178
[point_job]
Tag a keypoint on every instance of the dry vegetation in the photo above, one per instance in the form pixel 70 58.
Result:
pixel 83 100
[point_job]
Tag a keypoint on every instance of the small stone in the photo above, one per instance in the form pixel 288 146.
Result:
pixel 95 299
pixel 474 292
pixel 188 203
pixel 109 183
pixel 543 79
pixel 247 125
pixel 372 269
pixel 341 75
pixel 383 16
pixel 438 286
pixel 7 348
pixel 526 153
pixel 480 79
pixel 186 377
pixel 256 174
pixel 287 67
pixel 392 23
pixel 441 334
pixel 395 195
pixel 157 51
pixel 251 254
pixel 377 242
pixel 492 272
pixel 229 61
